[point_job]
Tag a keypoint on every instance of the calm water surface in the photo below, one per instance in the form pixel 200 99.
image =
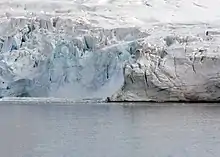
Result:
pixel 101 130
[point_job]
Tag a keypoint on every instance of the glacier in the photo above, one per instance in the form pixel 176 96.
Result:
pixel 51 58
pixel 184 68
pixel 162 51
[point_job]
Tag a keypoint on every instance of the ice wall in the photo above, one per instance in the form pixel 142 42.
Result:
pixel 182 67
pixel 55 57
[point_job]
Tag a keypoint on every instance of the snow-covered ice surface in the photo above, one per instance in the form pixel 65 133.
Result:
pixel 124 49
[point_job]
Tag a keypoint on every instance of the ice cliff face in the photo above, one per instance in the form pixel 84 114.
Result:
pixel 44 57
pixel 57 57
pixel 174 68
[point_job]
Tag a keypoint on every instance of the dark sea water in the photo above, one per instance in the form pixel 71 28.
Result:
pixel 109 130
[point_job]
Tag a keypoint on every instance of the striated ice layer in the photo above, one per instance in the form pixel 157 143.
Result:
pixel 174 68
pixel 54 57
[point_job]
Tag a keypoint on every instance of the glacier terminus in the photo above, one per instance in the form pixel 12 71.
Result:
pixel 153 50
